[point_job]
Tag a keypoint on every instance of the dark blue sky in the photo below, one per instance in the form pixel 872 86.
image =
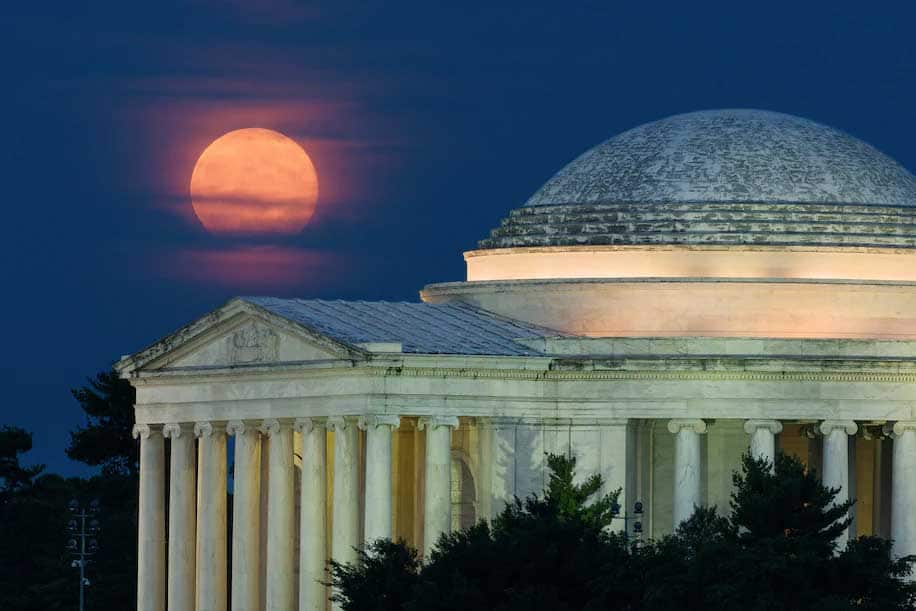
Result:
pixel 426 121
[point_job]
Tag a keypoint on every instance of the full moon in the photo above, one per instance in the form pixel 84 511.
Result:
pixel 254 181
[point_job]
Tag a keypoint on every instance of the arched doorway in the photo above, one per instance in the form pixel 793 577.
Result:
pixel 464 496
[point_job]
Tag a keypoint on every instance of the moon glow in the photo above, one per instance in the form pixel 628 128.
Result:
pixel 254 181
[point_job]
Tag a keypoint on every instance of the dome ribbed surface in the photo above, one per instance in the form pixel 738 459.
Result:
pixel 722 177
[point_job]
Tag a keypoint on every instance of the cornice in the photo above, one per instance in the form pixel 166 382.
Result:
pixel 547 375
pixel 566 284
pixel 673 375
pixel 511 250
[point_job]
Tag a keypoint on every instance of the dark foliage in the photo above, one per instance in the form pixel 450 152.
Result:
pixel 776 550
pixel 381 581
pixel 113 570
pixel 541 553
pixel 105 441
pixel 789 507
pixel 35 567
pixel 13 476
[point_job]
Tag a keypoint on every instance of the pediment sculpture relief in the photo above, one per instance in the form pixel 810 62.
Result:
pixel 253 343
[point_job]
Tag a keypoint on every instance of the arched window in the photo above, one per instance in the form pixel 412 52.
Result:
pixel 464 497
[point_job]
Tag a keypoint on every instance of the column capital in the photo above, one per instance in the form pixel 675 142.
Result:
pixel 903 426
pixel 174 430
pixel 828 426
pixel 694 424
pixel 752 426
pixel 143 431
pixel 241 427
pixel 307 425
pixel 206 429
pixel 339 423
pixel 272 426
pixel 433 422
pixel 378 420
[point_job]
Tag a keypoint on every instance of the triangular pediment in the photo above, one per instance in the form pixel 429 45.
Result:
pixel 239 334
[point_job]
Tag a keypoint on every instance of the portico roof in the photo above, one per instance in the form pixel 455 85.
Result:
pixel 422 328
pixel 351 329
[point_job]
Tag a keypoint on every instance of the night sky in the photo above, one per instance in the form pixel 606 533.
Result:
pixel 426 123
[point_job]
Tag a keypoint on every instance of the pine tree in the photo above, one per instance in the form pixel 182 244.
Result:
pixel 788 505
pixel 382 580
pixel 542 553
pixel 106 440
pixel 774 551
pixel 777 551
pixel 34 567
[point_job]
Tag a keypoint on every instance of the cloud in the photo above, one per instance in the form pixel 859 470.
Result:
pixel 277 12
pixel 249 268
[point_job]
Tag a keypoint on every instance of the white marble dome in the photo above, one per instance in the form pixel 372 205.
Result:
pixel 721 177
pixel 721 223
pixel 731 156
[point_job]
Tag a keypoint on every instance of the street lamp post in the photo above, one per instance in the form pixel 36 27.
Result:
pixel 82 543
pixel 635 517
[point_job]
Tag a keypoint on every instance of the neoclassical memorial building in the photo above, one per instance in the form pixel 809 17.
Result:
pixel 694 288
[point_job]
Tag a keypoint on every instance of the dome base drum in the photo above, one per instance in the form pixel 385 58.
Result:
pixel 724 223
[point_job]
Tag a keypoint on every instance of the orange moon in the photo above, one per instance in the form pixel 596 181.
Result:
pixel 254 181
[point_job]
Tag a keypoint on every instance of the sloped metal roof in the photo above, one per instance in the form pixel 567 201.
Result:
pixel 421 328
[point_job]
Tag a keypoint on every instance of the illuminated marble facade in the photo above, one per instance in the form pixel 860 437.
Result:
pixel 696 288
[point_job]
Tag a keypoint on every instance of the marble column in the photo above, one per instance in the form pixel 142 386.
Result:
pixel 763 439
pixel 345 534
pixel 378 475
pixel 903 490
pixel 688 467
pixel 182 516
pixel 499 459
pixel 313 594
pixel 437 500
pixel 246 516
pixel 281 519
pixel 211 517
pixel 616 464
pixel 836 462
pixel 151 519
pixel 485 459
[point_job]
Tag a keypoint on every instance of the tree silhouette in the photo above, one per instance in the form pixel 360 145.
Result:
pixel 106 440
pixel 775 550
pixel 34 567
